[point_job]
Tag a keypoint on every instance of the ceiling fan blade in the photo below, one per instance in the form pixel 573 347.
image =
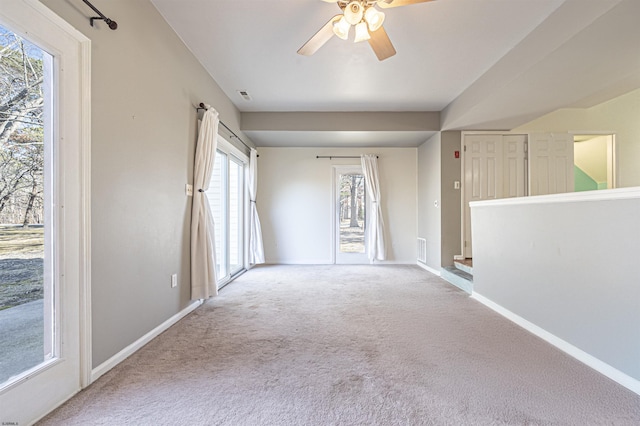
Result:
pixel 381 44
pixel 319 38
pixel 396 3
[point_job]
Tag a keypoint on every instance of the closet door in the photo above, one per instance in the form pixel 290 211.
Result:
pixel 483 176
pixel 514 166
pixel 550 163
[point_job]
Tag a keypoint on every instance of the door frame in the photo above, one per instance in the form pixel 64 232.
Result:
pixel 233 153
pixel 357 259
pixel 72 70
pixel 611 146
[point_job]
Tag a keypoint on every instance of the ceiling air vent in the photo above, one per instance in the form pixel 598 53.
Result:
pixel 245 95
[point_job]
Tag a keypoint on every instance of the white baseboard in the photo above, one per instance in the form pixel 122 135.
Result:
pixel 429 268
pixel 582 356
pixel 299 262
pixel 135 346
pixel 330 262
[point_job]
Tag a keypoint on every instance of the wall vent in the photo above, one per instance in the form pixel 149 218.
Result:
pixel 422 250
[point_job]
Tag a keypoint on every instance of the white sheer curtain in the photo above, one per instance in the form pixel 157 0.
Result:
pixel 376 249
pixel 256 248
pixel 203 254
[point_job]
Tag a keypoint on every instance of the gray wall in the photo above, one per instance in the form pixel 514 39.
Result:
pixel 568 267
pixel 451 206
pixel 429 180
pixel 144 85
pixel 438 169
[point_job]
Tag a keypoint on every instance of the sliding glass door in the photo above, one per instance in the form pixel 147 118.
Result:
pixel 227 198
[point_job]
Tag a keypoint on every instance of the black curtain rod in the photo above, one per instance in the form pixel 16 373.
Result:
pixel 226 127
pixel 339 156
pixel 112 24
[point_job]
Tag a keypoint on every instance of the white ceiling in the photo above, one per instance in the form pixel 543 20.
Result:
pixel 452 54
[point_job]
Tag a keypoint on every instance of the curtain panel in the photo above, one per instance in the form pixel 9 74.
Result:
pixel 376 249
pixel 256 248
pixel 203 254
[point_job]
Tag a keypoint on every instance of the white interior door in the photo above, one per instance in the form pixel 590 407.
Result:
pixel 483 176
pixel 514 166
pixel 495 166
pixel 57 324
pixel 349 206
pixel 550 163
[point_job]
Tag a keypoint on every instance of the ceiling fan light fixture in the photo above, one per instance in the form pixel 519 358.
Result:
pixel 353 12
pixel 341 28
pixel 374 18
pixel 362 33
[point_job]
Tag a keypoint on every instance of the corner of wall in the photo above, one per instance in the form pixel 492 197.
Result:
pixel 429 199
pixel 451 142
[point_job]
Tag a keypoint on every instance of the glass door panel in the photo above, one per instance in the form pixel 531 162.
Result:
pixel 236 215
pixel 226 196
pixel 26 284
pixel 44 258
pixel 351 213
pixel 217 202
pixel 350 208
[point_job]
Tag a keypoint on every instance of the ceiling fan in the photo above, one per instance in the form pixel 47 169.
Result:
pixel 367 20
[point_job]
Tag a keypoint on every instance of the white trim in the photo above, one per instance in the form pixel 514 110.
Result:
pixel 429 269
pixel 569 197
pixel 582 356
pixel 135 346
pixel 299 261
pixel 491 132
pixel 85 225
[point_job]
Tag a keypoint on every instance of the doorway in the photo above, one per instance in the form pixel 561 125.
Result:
pixel 594 162
pixel 227 196
pixel 45 249
pixel 350 208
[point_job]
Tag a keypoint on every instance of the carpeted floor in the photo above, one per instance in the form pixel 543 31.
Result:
pixel 348 345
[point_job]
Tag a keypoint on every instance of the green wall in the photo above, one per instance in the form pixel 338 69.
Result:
pixel 583 181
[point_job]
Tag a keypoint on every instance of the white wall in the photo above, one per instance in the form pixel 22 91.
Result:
pixel 566 263
pixel 620 116
pixel 591 157
pixel 295 206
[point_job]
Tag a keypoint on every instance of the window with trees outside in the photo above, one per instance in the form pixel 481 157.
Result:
pixel 26 299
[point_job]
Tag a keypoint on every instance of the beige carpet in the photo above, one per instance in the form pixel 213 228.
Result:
pixel 348 345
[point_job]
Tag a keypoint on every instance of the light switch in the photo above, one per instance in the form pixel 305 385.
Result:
pixel 456 184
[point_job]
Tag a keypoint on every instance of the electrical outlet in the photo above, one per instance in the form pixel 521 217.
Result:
pixel 188 189
pixel 174 280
